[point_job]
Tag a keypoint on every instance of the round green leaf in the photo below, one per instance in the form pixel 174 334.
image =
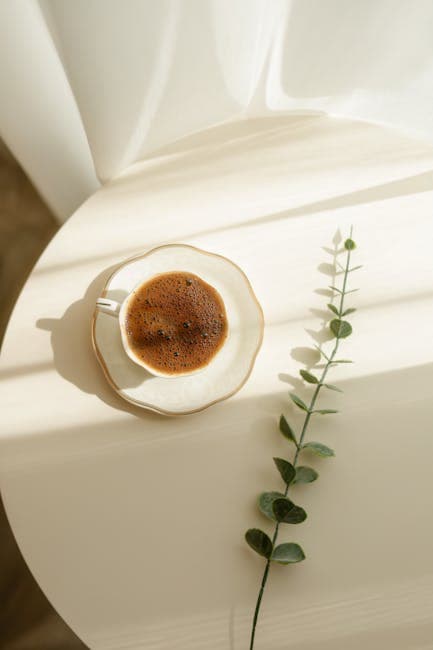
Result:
pixel 288 553
pixel 259 542
pixel 286 430
pixel 349 244
pixel 340 328
pixel 319 449
pixel 265 502
pixel 305 475
pixel 286 470
pixel 308 377
pixel 286 512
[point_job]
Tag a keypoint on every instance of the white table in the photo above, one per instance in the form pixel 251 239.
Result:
pixel 133 523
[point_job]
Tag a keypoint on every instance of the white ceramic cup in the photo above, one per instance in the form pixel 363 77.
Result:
pixel 119 310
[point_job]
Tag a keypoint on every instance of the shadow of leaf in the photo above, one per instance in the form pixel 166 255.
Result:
pixel 333 251
pixel 324 292
pixel 309 356
pixel 323 314
pixel 337 238
pixel 295 382
pixel 320 336
pixel 328 269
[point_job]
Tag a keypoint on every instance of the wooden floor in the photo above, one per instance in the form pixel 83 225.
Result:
pixel 27 620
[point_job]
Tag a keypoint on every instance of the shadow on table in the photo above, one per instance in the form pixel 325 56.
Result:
pixel 73 355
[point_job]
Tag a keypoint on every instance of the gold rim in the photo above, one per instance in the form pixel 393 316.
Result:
pixel 150 407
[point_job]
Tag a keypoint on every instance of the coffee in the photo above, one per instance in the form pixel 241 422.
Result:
pixel 175 323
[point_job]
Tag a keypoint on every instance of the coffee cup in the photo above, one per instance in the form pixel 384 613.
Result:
pixel 172 324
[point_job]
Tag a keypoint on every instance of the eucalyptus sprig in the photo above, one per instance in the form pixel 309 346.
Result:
pixel 276 505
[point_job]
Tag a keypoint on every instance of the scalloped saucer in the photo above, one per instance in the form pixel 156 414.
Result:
pixel 229 369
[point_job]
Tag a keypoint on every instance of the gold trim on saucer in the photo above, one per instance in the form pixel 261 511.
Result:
pixel 150 407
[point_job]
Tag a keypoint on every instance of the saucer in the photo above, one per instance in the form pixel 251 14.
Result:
pixel 229 369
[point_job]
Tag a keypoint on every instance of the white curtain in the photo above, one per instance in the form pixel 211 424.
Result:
pixel 88 87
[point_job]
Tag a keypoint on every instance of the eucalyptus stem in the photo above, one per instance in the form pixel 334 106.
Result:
pixel 339 333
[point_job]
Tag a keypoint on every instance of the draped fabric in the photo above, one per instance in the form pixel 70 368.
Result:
pixel 91 86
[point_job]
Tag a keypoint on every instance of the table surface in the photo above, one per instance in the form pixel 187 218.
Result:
pixel 133 523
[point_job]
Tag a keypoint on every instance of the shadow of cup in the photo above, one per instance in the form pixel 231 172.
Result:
pixel 73 354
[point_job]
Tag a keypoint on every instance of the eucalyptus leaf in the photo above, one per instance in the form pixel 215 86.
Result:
pixel 351 310
pixel 325 411
pixel 286 470
pixel 333 308
pixel 288 553
pixel 332 387
pixel 299 403
pixel 349 244
pixel 286 430
pixel 319 449
pixel 286 512
pixel 308 377
pixel 305 474
pixel 335 289
pixel 259 542
pixel 340 328
pixel 342 361
pixel 266 499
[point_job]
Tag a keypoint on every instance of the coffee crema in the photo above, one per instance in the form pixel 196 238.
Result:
pixel 175 323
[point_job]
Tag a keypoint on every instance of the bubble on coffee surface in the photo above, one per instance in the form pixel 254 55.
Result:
pixel 176 322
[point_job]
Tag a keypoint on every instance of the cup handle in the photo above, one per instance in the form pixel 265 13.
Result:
pixel 108 306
